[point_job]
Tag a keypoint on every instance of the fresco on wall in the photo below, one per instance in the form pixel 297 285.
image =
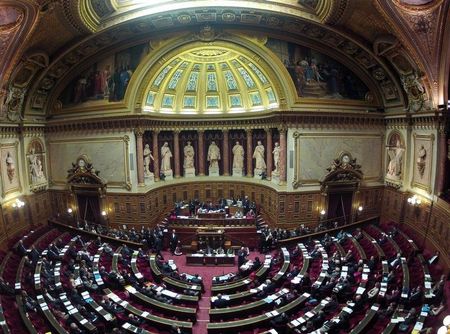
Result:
pixel 107 79
pixel 316 75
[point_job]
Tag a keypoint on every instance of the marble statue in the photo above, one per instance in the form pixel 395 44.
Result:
pixel 258 155
pixel 36 169
pixel 147 157
pixel 276 158
pixel 213 155
pixel 238 156
pixel 188 156
pixel 10 167
pixel 166 154
pixel 395 163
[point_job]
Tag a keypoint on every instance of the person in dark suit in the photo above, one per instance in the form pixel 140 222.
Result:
pixel 173 242
pixel 220 302
pixel 21 249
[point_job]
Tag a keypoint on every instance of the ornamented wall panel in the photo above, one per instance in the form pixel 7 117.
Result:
pixel 109 155
pixel 151 207
pixel 392 205
pixel 315 152
pixel 40 207
pixel 371 200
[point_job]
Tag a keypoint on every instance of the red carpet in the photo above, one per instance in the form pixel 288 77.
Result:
pixel 207 273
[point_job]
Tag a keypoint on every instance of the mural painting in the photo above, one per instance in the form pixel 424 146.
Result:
pixel 316 75
pixel 107 79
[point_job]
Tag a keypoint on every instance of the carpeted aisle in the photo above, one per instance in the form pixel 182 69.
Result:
pixel 207 273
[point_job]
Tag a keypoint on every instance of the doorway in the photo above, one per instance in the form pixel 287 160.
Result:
pixel 89 208
pixel 340 206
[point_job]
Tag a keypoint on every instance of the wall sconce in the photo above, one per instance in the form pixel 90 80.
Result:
pixel 414 200
pixel 360 208
pixel 17 204
pixel 322 212
pixel 104 214
pixel 69 211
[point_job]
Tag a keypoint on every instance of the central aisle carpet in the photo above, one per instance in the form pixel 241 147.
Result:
pixel 207 273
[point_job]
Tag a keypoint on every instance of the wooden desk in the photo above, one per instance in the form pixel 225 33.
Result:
pixel 285 266
pixel 49 315
pixel 210 260
pixel 243 310
pixel 220 222
pixel 73 311
pixel 231 286
pixel 133 329
pixel 256 321
pixel 151 318
pixel 212 215
pixel 23 313
pixel 362 253
pixel 361 327
pixel 96 307
pixel 188 313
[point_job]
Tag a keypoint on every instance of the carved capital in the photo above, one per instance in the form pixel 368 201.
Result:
pixel 139 132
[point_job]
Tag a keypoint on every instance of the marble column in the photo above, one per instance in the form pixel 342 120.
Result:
pixel 140 157
pixel 249 153
pixel 442 149
pixel 226 154
pixel 201 153
pixel 283 156
pixel 176 148
pixel 269 150
pixel 155 155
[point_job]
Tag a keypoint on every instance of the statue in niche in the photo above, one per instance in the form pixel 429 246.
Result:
pixel 147 157
pixel 258 155
pixel 238 156
pixel 10 167
pixel 394 170
pixel 421 160
pixel 276 158
pixel 213 155
pixel 188 156
pixel 36 168
pixel 166 154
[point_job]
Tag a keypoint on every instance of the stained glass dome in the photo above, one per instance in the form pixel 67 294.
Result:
pixel 210 80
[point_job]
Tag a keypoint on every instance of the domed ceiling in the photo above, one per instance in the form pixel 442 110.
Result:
pixel 210 80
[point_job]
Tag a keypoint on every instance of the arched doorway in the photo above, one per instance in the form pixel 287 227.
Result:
pixel 340 186
pixel 88 190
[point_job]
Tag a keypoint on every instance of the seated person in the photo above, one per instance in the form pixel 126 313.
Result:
pixel 178 251
pixel 220 302
pixel 409 320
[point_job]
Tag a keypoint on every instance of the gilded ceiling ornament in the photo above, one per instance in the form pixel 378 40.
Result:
pixel 414 90
pixel 207 34
pixel 184 18
pixel 228 16
pixel 14 103
pixel 10 18
pixel 379 74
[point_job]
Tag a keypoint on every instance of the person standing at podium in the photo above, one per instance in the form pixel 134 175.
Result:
pixel 173 242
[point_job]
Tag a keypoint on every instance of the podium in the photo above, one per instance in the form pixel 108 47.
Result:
pixel 209 238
